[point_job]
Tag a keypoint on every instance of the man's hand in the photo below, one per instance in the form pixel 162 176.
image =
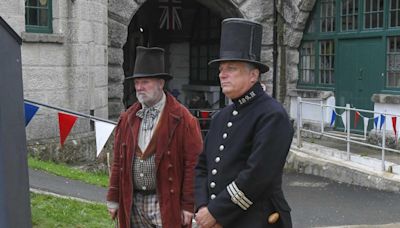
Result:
pixel 204 218
pixel 186 217
pixel 112 212
pixel 217 225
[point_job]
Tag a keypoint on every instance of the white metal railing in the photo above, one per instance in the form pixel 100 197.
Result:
pixel 348 138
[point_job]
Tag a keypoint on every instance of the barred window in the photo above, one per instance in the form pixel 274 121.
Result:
pixel 326 62
pixel 394 13
pixel 349 15
pixel 307 63
pixel 327 16
pixel 393 62
pixel 204 47
pixel 38 16
pixel 373 14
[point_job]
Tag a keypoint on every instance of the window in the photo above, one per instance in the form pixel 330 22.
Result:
pixel 393 62
pixel 307 63
pixel 394 12
pixel 355 20
pixel 349 15
pixel 326 62
pixel 327 16
pixel 38 16
pixel 204 47
pixel 373 15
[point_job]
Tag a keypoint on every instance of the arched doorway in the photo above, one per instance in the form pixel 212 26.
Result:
pixel 190 34
pixel 121 13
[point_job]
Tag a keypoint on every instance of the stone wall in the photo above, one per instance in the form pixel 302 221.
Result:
pixel 294 15
pixel 67 68
pixel 13 12
pixel 120 12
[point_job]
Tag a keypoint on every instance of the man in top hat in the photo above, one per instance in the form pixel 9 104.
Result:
pixel 156 145
pixel 239 173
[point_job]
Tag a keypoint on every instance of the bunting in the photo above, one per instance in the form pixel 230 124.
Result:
pixel 104 129
pixel 379 120
pixel 30 111
pixel 382 121
pixel 366 121
pixel 344 120
pixel 66 122
pixel 376 119
pixel 356 118
pixel 103 132
pixel 204 115
pixel 333 118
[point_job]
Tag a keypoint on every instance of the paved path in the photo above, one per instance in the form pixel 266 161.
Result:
pixel 45 182
pixel 320 202
pixel 315 201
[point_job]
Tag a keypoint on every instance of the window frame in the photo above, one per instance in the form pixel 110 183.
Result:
pixel 37 28
pixel 315 35
pixel 202 74
pixel 392 70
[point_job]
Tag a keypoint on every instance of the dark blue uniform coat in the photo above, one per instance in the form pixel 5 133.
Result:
pixel 239 173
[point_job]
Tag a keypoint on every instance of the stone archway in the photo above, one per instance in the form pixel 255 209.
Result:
pixel 292 19
pixel 120 13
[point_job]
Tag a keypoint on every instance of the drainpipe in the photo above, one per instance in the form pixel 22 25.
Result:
pixel 275 50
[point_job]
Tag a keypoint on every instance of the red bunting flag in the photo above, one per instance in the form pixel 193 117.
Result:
pixel 394 121
pixel 66 122
pixel 356 118
pixel 204 115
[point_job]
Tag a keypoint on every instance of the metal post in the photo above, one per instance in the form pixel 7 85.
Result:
pixel 299 124
pixel 348 130
pixel 322 116
pixel 383 144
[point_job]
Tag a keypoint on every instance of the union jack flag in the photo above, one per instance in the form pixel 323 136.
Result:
pixel 170 19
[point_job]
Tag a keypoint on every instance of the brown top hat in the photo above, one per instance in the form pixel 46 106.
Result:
pixel 241 41
pixel 149 63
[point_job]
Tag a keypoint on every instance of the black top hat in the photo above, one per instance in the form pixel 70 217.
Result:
pixel 241 41
pixel 149 63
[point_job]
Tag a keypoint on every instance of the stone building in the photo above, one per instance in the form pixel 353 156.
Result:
pixel 76 53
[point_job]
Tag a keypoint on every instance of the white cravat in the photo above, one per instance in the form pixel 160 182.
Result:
pixel 146 134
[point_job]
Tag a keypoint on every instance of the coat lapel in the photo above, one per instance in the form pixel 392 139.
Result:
pixel 171 118
pixel 134 125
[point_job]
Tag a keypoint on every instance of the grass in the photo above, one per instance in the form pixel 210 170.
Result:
pixel 49 211
pixel 99 179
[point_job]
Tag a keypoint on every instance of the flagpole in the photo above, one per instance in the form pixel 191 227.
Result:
pixel 71 112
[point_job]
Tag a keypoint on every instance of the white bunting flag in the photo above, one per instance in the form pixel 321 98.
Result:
pixel 366 121
pixel 344 120
pixel 103 132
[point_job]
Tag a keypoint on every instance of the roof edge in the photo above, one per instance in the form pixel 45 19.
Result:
pixel 10 30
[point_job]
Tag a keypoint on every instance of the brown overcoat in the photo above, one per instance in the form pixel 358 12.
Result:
pixel 179 143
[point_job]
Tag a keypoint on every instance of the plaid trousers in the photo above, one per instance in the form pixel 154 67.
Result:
pixel 146 211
